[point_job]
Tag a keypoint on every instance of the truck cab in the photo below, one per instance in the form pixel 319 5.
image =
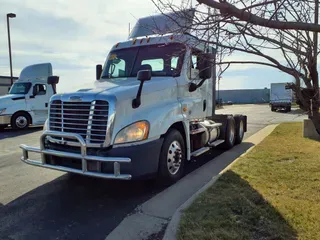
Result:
pixel 28 99
pixel 152 109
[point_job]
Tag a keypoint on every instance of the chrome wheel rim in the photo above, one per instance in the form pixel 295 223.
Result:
pixel 241 129
pixel 21 122
pixel 174 157
pixel 232 133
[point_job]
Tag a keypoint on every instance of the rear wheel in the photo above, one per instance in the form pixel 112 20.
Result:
pixel 20 121
pixel 239 131
pixel 273 109
pixel 172 157
pixel 230 134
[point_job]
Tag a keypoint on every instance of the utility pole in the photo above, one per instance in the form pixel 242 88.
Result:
pixel 10 15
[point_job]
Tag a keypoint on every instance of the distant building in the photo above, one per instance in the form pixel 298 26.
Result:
pixel 245 96
pixel 5 83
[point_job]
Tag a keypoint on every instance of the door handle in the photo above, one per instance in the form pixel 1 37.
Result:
pixel 46 104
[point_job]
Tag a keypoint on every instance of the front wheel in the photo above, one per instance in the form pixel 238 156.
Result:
pixel 20 121
pixel 172 157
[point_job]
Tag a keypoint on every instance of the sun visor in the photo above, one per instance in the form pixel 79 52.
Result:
pixel 175 22
pixel 37 71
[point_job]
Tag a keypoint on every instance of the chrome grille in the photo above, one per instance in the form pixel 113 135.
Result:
pixel 89 119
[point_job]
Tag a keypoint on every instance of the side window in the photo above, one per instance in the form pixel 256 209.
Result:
pixel 174 62
pixel 193 72
pixel 118 68
pixel 156 64
pixel 41 89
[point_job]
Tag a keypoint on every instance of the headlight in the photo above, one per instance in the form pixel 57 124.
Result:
pixel 45 126
pixel 137 131
pixel 2 110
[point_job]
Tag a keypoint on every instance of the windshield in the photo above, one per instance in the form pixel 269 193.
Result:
pixel 164 60
pixel 20 88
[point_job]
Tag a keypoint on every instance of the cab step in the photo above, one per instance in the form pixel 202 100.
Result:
pixel 216 143
pixel 200 151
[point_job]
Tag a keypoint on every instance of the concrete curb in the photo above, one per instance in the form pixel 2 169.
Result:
pixel 171 231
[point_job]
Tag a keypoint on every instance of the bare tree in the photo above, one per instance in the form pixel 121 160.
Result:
pixel 281 34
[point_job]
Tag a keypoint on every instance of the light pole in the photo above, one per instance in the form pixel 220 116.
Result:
pixel 10 15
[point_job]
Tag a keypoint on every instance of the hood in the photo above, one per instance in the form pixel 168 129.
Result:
pixel 124 88
pixel 10 97
pixel 8 100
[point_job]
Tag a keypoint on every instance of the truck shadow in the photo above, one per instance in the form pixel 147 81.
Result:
pixel 232 204
pixel 72 207
pixel 76 207
pixel 10 133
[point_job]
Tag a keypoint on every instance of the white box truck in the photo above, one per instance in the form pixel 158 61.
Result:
pixel 280 97
pixel 28 99
pixel 151 111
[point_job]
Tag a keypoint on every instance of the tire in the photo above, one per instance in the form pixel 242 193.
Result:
pixel 20 121
pixel 239 131
pixel 288 109
pixel 273 109
pixel 173 147
pixel 230 134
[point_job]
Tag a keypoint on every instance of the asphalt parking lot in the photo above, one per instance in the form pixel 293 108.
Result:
pixel 38 203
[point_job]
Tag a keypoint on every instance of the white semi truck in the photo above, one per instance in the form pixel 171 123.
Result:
pixel 28 99
pixel 152 109
pixel 280 97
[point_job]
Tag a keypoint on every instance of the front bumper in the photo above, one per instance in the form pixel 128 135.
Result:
pixel 140 160
pixel 5 119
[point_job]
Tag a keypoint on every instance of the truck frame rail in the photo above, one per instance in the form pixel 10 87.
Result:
pixel 83 157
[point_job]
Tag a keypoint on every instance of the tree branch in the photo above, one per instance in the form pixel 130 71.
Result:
pixel 229 9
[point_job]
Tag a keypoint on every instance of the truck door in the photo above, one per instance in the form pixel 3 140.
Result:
pixel 198 97
pixel 38 102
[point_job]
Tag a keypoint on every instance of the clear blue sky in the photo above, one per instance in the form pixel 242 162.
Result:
pixel 76 35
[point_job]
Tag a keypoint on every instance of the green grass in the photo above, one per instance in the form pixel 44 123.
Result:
pixel 271 193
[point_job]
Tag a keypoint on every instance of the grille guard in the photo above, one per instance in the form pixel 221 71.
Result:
pixel 83 156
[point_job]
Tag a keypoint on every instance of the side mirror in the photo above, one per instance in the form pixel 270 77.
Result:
pixel 144 75
pixel 205 66
pixel 34 91
pixel 98 71
pixel 53 81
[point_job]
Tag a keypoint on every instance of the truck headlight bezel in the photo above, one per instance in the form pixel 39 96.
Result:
pixel 135 132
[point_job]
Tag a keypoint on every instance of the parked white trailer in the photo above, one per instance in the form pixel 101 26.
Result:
pixel 28 98
pixel 152 109
pixel 280 97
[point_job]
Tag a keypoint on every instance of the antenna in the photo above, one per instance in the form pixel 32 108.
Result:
pixel 129 31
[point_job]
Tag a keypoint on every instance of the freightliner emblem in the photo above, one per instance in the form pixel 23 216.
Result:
pixel 75 98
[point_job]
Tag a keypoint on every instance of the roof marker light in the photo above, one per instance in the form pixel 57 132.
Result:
pixel 171 37
pixel 134 41
pixel 117 44
pixel 141 41
pixel 148 39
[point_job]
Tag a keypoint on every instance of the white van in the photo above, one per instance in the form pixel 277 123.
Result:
pixel 28 98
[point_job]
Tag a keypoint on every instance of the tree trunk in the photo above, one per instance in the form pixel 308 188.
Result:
pixel 314 113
